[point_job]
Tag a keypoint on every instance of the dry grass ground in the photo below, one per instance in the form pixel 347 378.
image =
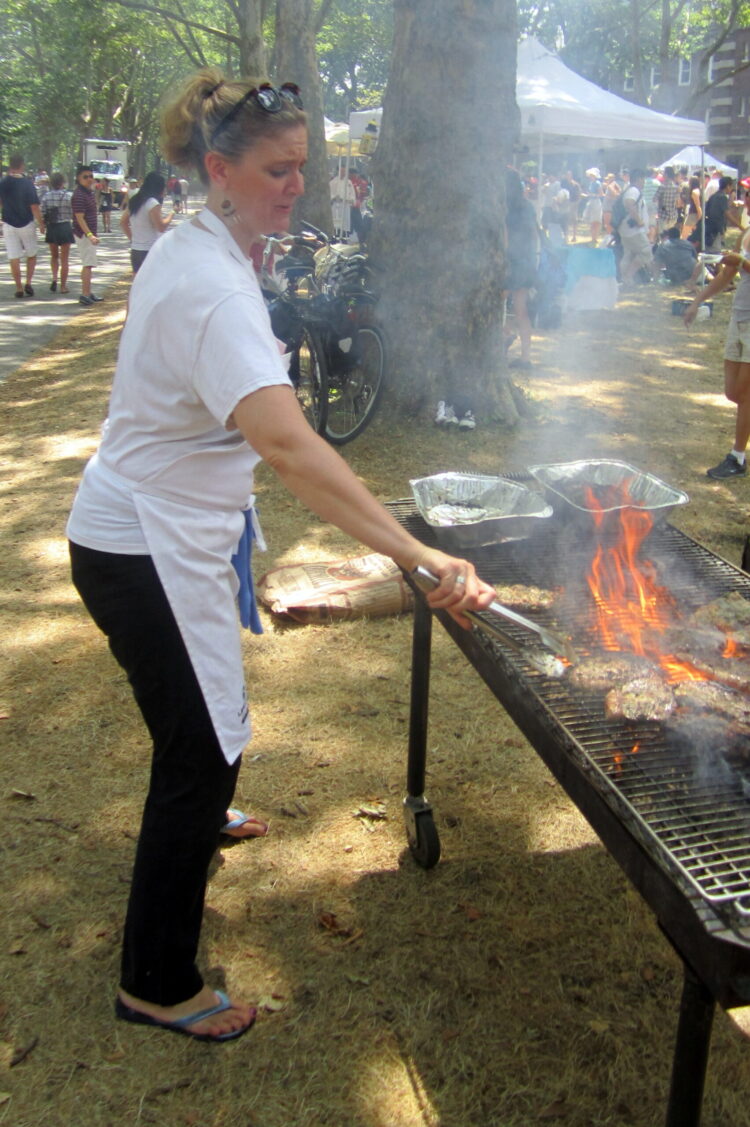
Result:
pixel 521 981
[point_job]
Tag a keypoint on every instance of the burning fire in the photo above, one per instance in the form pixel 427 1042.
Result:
pixel 632 611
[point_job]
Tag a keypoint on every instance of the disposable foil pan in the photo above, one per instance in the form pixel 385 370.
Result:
pixel 470 510
pixel 565 484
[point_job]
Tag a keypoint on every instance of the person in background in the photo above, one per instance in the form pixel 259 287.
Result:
pixel 573 188
pixel 667 197
pixel 184 193
pixel 694 208
pixel 142 220
pixel 21 216
pixel 57 210
pixel 84 230
pixel 200 395
pixel 637 253
pixel 720 214
pixel 173 188
pixel 343 198
pixel 592 212
pixel 712 184
pixel 611 191
pixel 522 240
pixel 105 205
pixel 675 256
pixel 736 352
pixel 650 187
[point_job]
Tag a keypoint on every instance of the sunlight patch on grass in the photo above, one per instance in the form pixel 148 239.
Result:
pixel 56 447
pixel 392 1091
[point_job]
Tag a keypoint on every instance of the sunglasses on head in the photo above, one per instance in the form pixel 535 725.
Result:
pixel 267 97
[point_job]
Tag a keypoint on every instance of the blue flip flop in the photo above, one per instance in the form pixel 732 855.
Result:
pixel 238 819
pixel 125 1013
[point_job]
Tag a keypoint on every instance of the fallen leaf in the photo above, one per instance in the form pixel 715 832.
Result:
pixel 375 811
pixel 647 974
pixel 21 1054
pixel 329 922
pixel 470 912
pixel 288 813
pixel 599 1026
pixel 556 1110
pixel 271 1003
pixel 15 793
pixel 449 1035
pixel 4 1097
pixel 357 980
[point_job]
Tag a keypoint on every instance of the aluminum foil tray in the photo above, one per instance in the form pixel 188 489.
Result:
pixel 471 510
pixel 565 483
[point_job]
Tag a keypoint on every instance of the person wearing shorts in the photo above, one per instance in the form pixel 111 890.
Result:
pixel 58 217
pixel 736 353
pixel 21 217
pixel 84 229
pixel 637 252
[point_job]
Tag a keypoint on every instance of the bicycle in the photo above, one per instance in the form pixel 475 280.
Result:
pixel 323 310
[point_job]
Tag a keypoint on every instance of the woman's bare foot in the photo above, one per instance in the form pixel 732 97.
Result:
pixel 238 1017
pixel 241 825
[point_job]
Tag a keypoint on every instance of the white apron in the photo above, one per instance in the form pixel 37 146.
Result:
pixel 192 516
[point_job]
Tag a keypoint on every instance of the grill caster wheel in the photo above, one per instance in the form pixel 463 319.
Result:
pixel 421 832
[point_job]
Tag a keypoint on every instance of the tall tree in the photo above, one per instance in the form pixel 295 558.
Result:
pixel 449 124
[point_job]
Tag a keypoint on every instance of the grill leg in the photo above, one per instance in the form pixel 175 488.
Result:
pixel 691 1053
pixel 421 832
pixel 420 698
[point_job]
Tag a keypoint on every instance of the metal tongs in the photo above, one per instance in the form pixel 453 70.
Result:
pixel 550 664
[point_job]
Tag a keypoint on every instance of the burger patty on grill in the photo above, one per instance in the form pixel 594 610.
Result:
pixel 644 698
pixel 602 672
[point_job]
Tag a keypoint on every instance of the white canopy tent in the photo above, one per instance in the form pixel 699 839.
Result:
pixel 570 112
pixel 694 157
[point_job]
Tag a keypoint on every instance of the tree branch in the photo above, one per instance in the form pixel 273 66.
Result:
pixel 165 13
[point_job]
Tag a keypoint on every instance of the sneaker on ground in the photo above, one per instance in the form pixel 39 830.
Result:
pixel 95 298
pixel 467 421
pixel 730 467
pixel 85 299
pixel 445 416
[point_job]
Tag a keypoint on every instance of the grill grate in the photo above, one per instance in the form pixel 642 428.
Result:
pixel 689 808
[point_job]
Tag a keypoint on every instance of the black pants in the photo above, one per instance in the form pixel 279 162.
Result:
pixel 191 782
pixel 137 258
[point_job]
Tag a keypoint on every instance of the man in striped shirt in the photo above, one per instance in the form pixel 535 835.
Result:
pixel 84 229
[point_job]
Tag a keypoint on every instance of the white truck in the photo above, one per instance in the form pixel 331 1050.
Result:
pixel 108 161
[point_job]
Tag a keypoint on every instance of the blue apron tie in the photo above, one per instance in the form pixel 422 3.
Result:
pixel 242 563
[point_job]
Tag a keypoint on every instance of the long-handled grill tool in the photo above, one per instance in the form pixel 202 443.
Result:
pixel 550 664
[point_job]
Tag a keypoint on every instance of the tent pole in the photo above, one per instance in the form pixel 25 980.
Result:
pixel 539 180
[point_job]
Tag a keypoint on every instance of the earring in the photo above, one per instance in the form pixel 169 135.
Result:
pixel 228 210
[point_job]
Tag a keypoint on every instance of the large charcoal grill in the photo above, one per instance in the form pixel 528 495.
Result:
pixel 680 832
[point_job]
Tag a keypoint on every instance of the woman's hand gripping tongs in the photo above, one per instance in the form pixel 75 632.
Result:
pixel 552 664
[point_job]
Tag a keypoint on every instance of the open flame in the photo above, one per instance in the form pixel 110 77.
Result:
pixel 631 610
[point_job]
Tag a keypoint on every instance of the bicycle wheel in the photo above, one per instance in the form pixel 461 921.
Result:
pixel 309 373
pixel 355 387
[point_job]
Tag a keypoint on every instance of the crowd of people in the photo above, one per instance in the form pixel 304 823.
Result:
pixel 656 221
pixel 43 206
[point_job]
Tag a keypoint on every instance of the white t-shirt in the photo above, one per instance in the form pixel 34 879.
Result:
pixel 197 339
pixel 636 196
pixel 144 234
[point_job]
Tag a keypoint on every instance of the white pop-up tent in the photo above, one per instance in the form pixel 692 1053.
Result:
pixel 569 112
pixel 694 157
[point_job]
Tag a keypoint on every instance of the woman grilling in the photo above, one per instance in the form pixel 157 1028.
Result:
pixel 197 401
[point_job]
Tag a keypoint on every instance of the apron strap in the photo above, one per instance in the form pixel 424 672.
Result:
pixel 242 561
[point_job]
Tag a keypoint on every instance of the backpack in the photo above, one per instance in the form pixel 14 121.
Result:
pixel 618 211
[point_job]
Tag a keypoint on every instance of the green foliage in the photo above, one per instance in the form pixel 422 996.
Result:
pixel 354 50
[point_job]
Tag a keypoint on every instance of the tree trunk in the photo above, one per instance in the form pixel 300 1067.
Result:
pixel 296 61
pixel 449 124
pixel 252 50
